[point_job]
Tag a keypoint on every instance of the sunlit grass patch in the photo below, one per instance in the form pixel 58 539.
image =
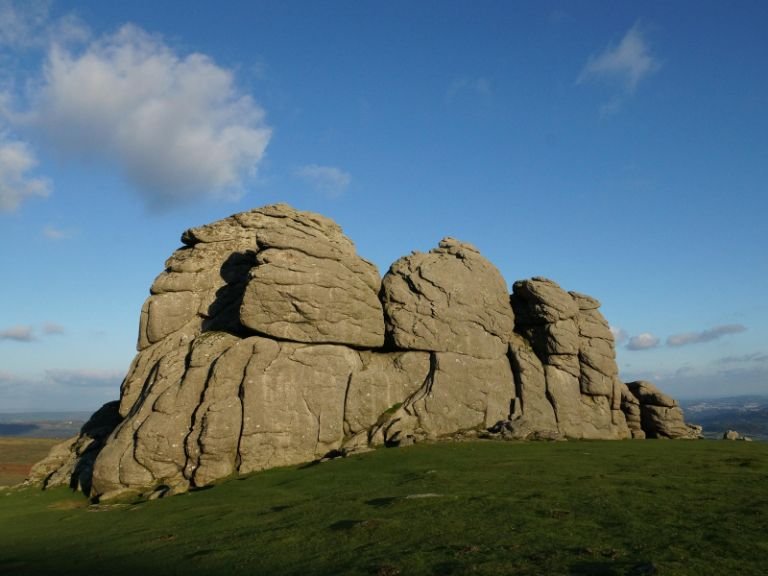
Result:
pixel 465 508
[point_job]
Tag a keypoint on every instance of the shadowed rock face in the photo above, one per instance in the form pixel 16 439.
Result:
pixel 574 350
pixel 660 415
pixel 267 341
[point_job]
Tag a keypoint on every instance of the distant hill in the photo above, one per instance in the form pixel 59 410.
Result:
pixel 747 415
pixel 42 424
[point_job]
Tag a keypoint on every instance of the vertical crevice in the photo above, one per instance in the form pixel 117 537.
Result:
pixel 190 464
pixel 550 398
pixel 241 397
pixel 344 426
pixel 517 379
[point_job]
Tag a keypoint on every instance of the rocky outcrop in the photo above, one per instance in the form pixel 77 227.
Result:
pixel 267 341
pixel 734 435
pixel 660 415
pixel 71 462
pixel 575 347
pixel 452 303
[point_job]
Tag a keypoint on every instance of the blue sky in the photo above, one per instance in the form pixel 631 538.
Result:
pixel 619 148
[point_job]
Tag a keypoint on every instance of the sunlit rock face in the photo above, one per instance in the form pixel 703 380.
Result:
pixel 267 341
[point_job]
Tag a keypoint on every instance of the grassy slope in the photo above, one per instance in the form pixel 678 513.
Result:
pixel 18 454
pixel 496 508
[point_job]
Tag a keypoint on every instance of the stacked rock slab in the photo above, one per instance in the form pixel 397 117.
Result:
pixel 574 345
pixel 660 415
pixel 267 341
pixel 453 304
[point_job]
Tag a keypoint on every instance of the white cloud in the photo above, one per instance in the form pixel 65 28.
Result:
pixel 619 334
pixel 51 328
pixel 705 335
pixel 328 179
pixel 26 333
pixel 16 184
pixel 18 334
pixel 176 126
pixel 628 63
pixel 643 341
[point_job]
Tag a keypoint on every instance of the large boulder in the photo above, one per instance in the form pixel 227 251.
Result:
pixel 450 299
pixel 275 271
pixel 309 285
pixel 267 341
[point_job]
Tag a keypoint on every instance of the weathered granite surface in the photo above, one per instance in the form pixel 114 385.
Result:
pixel 267 341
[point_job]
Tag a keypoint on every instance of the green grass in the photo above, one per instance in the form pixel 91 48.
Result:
pixel 572 508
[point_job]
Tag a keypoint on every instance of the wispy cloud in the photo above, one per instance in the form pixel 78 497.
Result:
pixel 8 378
pixel 17 161
pixel 84 378
pixel 327 179
pixel 707 381
pixel 20 25
pixel 52 329
pixel 686 338
pixel 627 63
pixel 752 357
pixel 644 341
pixel 59 389
pixel 611 108
pixel 28 24
pixel 18 333
pixel 472 86
pixel 54 233
pixel 27 333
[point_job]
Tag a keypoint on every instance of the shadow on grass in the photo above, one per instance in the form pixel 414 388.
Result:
pixel 381 502
pixel 613 568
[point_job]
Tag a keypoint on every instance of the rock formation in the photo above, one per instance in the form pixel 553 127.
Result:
pixel 267 341
pixel 660 415
pixel 734 435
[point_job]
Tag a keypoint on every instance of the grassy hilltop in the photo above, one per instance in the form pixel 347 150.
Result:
pixel 571 508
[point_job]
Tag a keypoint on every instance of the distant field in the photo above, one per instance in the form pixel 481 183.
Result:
pixel 748 415
pixel 42 424
pixel 628 508
pixel 17 455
